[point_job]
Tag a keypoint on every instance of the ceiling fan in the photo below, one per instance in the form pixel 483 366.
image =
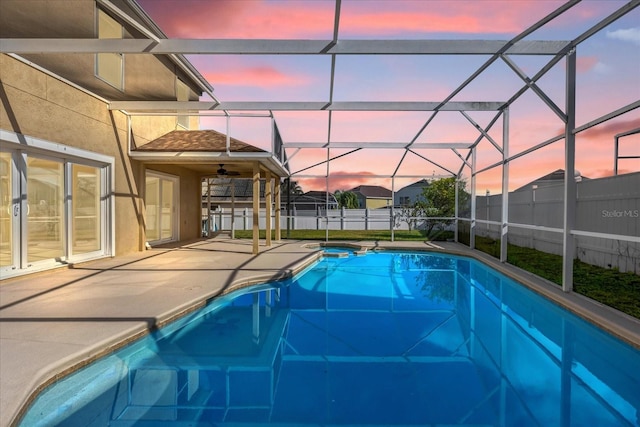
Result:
pixel 222 172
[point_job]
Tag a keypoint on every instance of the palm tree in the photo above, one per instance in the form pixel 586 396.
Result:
pixel 347 199
pixel 295 187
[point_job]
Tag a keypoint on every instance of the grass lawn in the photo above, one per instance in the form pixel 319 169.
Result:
pixel 608 286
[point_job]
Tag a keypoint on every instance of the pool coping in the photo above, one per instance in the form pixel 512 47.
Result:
pixel 620 325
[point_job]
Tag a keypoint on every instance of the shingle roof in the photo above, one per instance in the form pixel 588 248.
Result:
pixel 314 197
pixel 372 191
pixel 197 140
pixel 420 184
pixel 556 175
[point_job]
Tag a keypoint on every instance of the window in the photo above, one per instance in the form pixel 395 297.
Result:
pixel 182 94
pixel 110 66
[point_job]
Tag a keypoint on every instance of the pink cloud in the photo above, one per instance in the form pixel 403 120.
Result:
pixel 314 19
pixel 262 76
pixel 609 130
pixel 434 17
pixel 605 131
pixel 391 22
pixel 585 63
pixel 341 183
pixel 602 173
pixel 241 19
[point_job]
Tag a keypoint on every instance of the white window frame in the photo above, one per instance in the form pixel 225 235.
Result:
pixel 120 86
pixel 104 205
pixel 13 210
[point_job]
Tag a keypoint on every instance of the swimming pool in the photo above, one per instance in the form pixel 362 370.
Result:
pixel 389 338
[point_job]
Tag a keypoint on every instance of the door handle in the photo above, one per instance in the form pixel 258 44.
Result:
pixel 16 209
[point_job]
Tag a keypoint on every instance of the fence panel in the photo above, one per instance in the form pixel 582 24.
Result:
pixel 607 205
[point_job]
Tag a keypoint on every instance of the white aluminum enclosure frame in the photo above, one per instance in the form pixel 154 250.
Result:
pixel 499 50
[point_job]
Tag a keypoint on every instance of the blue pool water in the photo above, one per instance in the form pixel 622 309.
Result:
pixel 338 249
pixel 390 338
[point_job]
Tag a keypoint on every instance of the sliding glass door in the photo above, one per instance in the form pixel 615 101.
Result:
pixel 87 219
pixel 8 211
pixel 45 210
pixel 161 202
pixel 52 211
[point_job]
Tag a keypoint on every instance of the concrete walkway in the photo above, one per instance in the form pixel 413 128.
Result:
pixel 54 322
pixel 51 322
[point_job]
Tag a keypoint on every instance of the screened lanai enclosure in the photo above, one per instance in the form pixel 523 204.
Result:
pixel 532 107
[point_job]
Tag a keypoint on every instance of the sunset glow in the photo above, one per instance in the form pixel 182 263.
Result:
pixel 608 78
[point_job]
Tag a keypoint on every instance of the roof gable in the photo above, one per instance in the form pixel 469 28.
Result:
pixel 374 191
pixel 419 184
pixel 197 140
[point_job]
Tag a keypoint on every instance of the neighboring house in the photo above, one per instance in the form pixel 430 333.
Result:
pixel 242 190
pixel 372 196
pixel 312 200
pixel 408 195
pixel 555 177
pixel 80 179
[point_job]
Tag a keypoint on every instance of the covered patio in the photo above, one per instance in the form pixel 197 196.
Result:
pixel 212 155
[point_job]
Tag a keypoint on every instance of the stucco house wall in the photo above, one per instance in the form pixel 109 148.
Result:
pixel 42 106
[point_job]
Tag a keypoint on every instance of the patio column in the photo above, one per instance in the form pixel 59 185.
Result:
pixel 256 208
pixel 233 208
pixel 267 205
pixel 209 225
pixel 276 189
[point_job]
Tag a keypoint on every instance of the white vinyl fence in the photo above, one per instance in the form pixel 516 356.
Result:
pixel 604 206
pixel 338 219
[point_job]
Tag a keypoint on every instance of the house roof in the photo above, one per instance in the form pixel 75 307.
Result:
pixel 372 191
pixel 197 140
pixel 555 176
pixel 420 184
pixel 205 150
pixel 314 196
pixel 179 59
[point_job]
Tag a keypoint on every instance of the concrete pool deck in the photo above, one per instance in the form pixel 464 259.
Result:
pixel 54 322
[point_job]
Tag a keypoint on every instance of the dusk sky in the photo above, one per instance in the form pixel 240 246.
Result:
pixel 608 78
